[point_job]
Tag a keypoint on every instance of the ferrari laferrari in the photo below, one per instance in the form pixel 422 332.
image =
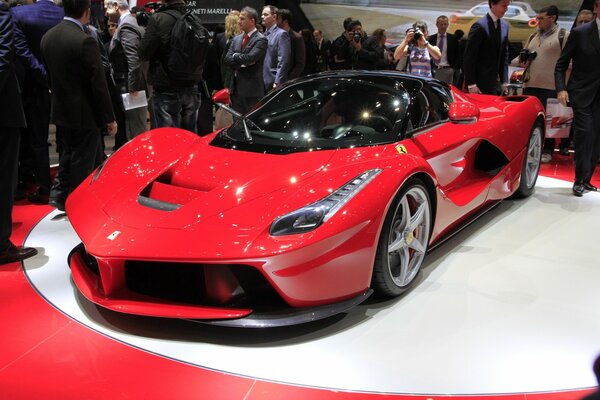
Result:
pixel 334 186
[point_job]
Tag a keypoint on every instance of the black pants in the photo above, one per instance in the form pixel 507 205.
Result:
pixel 9 157
pixel 586 133
pixel 81 153
pixel 37 112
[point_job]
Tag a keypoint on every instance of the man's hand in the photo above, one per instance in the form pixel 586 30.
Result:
pixel 563 97
pixel 111 128
pixel 474 89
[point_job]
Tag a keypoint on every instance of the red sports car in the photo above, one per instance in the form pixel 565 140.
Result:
pixel 334 186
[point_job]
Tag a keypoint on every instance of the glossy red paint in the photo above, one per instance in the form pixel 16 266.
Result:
pixel 65 360
pixel 228 199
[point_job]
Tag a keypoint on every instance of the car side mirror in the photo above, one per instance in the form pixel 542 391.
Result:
pixel 463 113
pixel 221 97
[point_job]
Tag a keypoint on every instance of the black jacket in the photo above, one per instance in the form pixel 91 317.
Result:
pixel 80 96
pixel 153 48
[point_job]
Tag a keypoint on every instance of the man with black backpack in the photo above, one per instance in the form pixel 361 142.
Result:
pixel 175 44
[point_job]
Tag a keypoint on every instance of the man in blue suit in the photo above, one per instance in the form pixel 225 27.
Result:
pixel 278 59
pixel 31 22
pixel 11 119
pixel 485 62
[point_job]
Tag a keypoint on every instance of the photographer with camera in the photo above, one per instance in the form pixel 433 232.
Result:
pixel 349 47
pixel 539 57
pixel 175 44
pixel 418 53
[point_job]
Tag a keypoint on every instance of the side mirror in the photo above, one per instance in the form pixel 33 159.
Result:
pixel 221 97
pixel 463 112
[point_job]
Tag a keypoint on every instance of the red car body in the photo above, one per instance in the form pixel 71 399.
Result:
pixel 170 200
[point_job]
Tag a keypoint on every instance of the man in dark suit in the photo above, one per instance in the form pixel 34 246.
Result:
pixel 448 45
pixel 583 93
pixel 11 119
pixel 297 46
pixel 246 56
pixel 324 47
pixel 32 21
pixel 485 63
pixel 80 97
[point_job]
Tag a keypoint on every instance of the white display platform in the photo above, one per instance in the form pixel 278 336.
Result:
pixel 510 305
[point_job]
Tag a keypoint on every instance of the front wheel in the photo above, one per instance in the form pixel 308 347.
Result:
pixel 531 163
pixel 403 241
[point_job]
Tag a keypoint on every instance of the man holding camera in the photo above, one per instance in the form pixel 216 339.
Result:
pixel 539 57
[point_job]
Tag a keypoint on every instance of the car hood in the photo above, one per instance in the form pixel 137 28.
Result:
pixel 180 190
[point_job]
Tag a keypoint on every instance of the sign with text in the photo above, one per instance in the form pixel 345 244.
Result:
pixel 215 11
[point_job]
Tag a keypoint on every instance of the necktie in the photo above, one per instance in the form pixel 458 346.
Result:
pixel 441 44
pixel 245 41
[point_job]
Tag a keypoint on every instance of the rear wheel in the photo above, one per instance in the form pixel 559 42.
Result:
pixel 403 241
pixel 531 163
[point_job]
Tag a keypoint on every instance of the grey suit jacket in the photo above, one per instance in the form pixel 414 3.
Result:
pixel 278 60
pixel 247 64
pixel 123 54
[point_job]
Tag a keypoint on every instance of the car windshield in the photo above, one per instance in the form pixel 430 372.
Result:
pixel 323 113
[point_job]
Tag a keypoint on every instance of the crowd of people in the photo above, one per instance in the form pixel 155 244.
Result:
pixel 74 62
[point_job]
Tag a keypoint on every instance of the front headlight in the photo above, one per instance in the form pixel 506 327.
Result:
pixel 313 215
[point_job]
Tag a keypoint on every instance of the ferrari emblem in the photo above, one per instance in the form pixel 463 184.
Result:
pixel 113 235
pixel 401 149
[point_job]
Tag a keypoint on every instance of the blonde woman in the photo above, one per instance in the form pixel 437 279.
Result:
pixel 417 51
pixel 232 29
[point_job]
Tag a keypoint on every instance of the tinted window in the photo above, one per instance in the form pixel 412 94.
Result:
pixel 429 106
pixel 324 114
pixel 512 12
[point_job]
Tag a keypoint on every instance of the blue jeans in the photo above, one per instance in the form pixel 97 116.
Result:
pixel 176 107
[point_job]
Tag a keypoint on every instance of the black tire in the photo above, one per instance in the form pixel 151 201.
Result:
pixel 531 163
pixel 404 240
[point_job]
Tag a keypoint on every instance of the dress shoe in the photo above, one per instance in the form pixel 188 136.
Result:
pixel 14 253
pixel 590 187
pixel 38 198
pixel 59 205
pixel 578 189
pixel 564 150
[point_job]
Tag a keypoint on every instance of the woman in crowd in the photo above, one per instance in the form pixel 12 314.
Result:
pixel 418 53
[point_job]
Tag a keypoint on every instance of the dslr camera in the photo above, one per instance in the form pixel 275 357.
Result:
pixel 142 16
pixel 417 35
pixel 526 55
pixel 356 36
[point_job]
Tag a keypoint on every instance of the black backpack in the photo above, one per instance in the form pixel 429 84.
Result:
pixel 187 48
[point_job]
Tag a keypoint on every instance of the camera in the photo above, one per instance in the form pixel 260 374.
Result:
pixel 141 15
pixel 526 55
pixel 356 36
pixel 417 34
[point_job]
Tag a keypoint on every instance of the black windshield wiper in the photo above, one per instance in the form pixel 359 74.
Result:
pixel 244 119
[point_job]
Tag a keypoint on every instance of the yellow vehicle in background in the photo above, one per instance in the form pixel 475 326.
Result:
pixel 521 24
